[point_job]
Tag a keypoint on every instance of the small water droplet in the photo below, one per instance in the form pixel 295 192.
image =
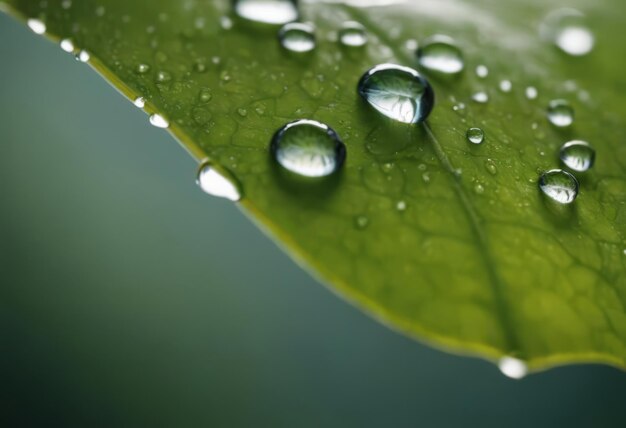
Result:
pixel 66 4
pixel 559 185
pixel 578 155
pixel 226 23
pixel 401 205
pixel 481 97
pixel 560 113
pixel 140 102
pixel 38 26
pixel 159 121
pixel 491 167
pixel 217 181
pixel 67 45
pixel 242 112
pixel 568 30
pixel 361 222
pixel 83 56
pixel 142 68
pixel 205 95
pixel 411 44
pixel 479 189
pixel 297 37
pixel 513 368
pixel 163 77
pixel 267 11
pixel 475 135
pixel 482 71
pixel 352 34
pixel 440 54
pixel 308 148
pixel 399 93
pixel 531 93
pixel 506 86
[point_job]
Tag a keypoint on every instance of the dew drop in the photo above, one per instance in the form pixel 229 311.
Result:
pixel 481 97
pixel 578 155
pixel 512 367
pixel 361 222
pixel 475 135
pixel 142 68
pixel 440 54
pixel 140 102
pixel 531 93
pixel 267 11
pixel 83 56
pixel 219 182
pixel 482 71
pixel 401 206
pixel 226 23
pixel 67 45
pixel 568 30
pixel 399 93
pixel 163 77
pixel 352 34
pixel 308 148
pixel 506 86
pixel 491 167
pixel 297 37
pixel 559 185
pixel 560 113
pixel 38 26
pixel 205 95
pixel 159 121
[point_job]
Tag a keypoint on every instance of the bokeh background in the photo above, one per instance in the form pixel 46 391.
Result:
pixel 130 298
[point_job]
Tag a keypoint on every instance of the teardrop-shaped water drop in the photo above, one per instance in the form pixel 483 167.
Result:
pixel 560 113
pixel 297 37
pixel 475 135
pixel 140 102
pixel 83 56
pixel 217 181
pixel 567 29
pixel 67 45
pixel 400 93
pixel 267 11
pixel 308 148
pixel 559 185
pixel 578 155
pixel 440 54
pixel 37 25
pixel 352 34
pixel 159 121
pixel 513 367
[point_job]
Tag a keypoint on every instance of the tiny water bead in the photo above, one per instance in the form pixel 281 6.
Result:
pixel 38 26
pixel 531 93
pixel 297 37
pixel 83 56
pixel 567 29
pixel 163 77
pixel 159 121
pixel 560 113
pixel 513 367
pixel 267 11
pixel 361 222
pixel 482 71
pixel 481 97
pixel 506 86
pixel 67 45
pixel 578 155
pixel 140 102
pixel 440 54
pixel 559 185
pixel 475 135
pixel 397 92
pixel 352 34
pixel 142 68
pixel 218 182
pixel 308 148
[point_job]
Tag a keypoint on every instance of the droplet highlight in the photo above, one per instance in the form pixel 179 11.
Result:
pixel 67 45
pixel 352 34
pixel 560 186
pixel 560 113
pixel 577 155
pixel 297 37
pixel 567 29
pixel 36 25
pixel 475 135
pixel 440 54
pixel 217 181
pixel 159 121
pixel 513 367
pixel 267 11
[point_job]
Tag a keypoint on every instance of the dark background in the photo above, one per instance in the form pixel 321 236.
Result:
pixel 130 298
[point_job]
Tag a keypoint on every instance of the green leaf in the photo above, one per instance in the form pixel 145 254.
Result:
pixel 444 240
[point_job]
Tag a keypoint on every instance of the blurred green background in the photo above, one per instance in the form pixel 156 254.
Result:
pixel 130 298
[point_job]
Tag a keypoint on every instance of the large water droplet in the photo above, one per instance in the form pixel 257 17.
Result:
pixel 400 93
pixel 440 54
pixel 159 121
pixel 567 29
pixel 475 135
pixel 352 34
pixel 267 11
pixel 513 368
pixel 308 148
pixel 297 37
pixel 559 185
pixel 560 113
pixel 219 182
pixel 578 155
pixel 38 26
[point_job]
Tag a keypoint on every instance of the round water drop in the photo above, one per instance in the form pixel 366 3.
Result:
pixel 361 222
pixel 267 11
pixel 219 182
pixel 559 185
pixel 67 45
pixel 506 86
pixel 159 121
pixel 475 135
pixel 560 113
pixel 38 26
pixel 567 29
pixel 163 77
pixel 399 93
pixel 140 102
pixel 531 93
pixel 440 54
pixel 308 148
pixel 578 155
pixel 513 368
pixel 482 71
pixel 83 56
pixel 481 97
pixel 352 34
pixel 297 37
pixel 142 68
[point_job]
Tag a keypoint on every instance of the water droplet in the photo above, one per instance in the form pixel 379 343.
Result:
pixel 560 113
pixel 142 68
pixel 242 112
pixel 361 222
pixel 482 71
pixel 578 155
pixel 411 44
pixel 66 4
pixel 399 93
pixel 513 368
pixel 159 121
pixel 475 135
pixel 479 189
pixel 491 167
pixel 308 148
pixel 567 29
pixel 481 97
pixel 506 86
pixel 163 77
pixel 401 206
pixel 140 102
pixel 83 56
pixel 219 182
pixel 205 95
pixel 38 26
pixel 267 11
pixel 440 54
pixel 559 185
pixel 67 45
pixel 352 34
pixel 531 93
pixel 297 37
pixel 226 23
